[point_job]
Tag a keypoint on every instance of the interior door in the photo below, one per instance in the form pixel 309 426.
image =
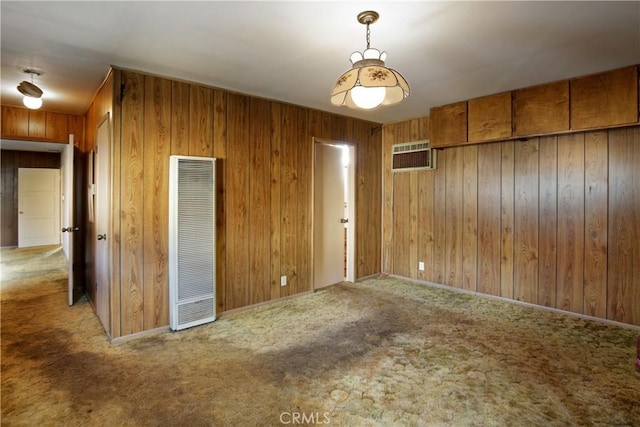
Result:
pixel 38 207
pixel 328 208
pixel 102 211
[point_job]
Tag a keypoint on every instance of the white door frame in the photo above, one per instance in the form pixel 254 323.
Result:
pixel 102 224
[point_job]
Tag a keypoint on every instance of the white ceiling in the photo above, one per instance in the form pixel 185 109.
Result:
pixel 293 51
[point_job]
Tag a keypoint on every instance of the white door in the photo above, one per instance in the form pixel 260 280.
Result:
pixel 68 226
pixel 328 210
pixel 38 207
pixel 102 211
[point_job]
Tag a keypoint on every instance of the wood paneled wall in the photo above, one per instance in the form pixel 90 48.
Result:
pixel 10 161
pixel 553 221
pixel 264 179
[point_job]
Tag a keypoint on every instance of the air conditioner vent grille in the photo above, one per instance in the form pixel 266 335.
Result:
pixel 412 156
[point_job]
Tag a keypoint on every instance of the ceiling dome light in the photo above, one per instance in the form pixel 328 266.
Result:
pixel 32 93
pixel 369 83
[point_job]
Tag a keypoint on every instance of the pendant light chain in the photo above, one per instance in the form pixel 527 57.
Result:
pixel 368 36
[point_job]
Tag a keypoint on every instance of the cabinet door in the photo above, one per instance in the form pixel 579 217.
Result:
pixel 605 99
pixel 541 109
pixel 448 125
pixel 490 117
pixel 15 122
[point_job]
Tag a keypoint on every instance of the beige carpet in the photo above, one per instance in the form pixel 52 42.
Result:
pixel 382 352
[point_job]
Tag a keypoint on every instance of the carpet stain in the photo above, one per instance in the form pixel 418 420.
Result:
pixel 382 352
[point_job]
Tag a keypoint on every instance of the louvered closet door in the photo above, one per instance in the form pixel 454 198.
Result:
pixel 192 266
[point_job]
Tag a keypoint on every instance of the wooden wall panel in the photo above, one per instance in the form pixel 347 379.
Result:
pixel 489 231
pixel 440 213
pixel 470 213
pixel 259 201
pixel 132 205
pixel 220 124
pixel 454 219
pixel 388 139
pixel 547 220
pixel 156 152
pixel 570 222
pixel 200 121
pixel 624 248
pixel 369 184
pixel 490 117
pixel 276 199
pixel 289 199
pixel 507 220
pixel 180 107
pixel 57 126
pixel 401 223
pixel 525 242
pixel 237 204
pixel 595 232
pixel 304 203
pixel 15 122
pixel 37 124
pixel 426 224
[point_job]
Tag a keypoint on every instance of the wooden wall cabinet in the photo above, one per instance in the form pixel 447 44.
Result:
pixel 598 101
pixel 448 125
pixel 541 109
pixel 40 125
pixel 605 99
pixel 490 118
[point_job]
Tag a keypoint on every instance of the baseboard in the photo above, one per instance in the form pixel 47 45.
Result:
pixel 522 303
pixel 260 304
pixel 138 335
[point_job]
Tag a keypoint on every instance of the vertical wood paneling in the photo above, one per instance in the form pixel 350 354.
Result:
pixel 157 149
pixel 507 220
pixel 76 127
pixel 57 126
pixel 413 224
pixel 489 232
pixel 439 235
pixel 547 221
pixel 259 201
pixel 289 199
pixel 304 198
pixel 37 124
pixel 388 139
pixel 220 124
pixel 105 103
pixel 570 222
pixel 525 243
pixel 237 203
pixel 426 224
pixel 180 93
pixel 454 217
pixel 201 121
pixel 15 122
pixel 595 211
pixel 401 223
pixel 132 202
pixel 624 250
pixel 470 211
pixel 276 203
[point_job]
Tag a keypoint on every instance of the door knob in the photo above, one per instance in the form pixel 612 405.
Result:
pixel 344 220
pixel 70 229
pixel 102 237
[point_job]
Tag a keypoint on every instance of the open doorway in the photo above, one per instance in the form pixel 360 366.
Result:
pixel 333 213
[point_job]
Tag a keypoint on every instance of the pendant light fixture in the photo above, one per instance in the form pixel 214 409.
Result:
pixel 369 83
pixel 32 93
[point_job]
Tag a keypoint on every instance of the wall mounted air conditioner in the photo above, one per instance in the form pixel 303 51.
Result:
pixel 412 156
pixel 192 264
